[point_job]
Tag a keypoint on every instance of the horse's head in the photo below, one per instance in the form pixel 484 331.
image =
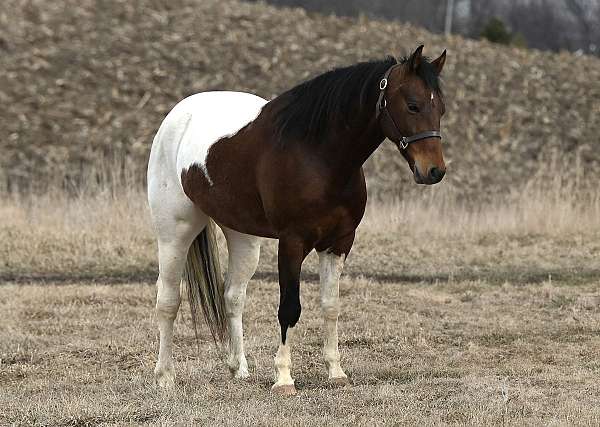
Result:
pixel 410 108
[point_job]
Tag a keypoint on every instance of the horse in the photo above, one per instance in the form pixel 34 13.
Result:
pixel 287 169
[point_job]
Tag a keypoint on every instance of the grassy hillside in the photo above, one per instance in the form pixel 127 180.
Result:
pixel 85 84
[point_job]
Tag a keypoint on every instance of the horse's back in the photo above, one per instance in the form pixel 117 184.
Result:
pixel 192 127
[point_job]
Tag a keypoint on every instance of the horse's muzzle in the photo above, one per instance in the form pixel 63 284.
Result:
pixel 434 175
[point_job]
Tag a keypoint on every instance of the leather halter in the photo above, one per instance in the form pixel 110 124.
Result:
pixel 387 122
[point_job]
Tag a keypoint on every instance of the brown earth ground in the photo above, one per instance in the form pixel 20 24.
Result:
pixel 450 315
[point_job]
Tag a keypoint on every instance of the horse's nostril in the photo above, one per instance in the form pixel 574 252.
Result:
pixel 436 174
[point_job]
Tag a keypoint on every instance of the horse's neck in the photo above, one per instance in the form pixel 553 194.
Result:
pixel 349 149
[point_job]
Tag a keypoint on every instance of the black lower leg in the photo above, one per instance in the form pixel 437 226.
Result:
pixel 290 257
pixel 289 310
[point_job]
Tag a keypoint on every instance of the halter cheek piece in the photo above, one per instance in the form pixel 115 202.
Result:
pixel 389 124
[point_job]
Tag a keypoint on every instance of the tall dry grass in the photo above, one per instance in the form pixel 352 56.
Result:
pixel 565 201
pixel 552 208
pixel 102 227
pixel 59 232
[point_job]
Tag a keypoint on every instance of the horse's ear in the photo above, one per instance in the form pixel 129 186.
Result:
pixel 438 64
pixel 415 59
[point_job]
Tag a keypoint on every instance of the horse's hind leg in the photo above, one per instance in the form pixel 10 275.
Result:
pixel 175 235
pixel 244 252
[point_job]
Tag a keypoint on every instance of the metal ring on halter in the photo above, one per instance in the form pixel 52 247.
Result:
pixel 403 143
pixel 383 84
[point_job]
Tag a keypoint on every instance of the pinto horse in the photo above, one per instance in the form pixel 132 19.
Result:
pixel 287 169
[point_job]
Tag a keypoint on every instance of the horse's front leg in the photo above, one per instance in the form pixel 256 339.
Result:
pixel 292 252
pixel 330 269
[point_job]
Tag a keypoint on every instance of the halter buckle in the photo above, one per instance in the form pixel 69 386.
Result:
pixel 403 143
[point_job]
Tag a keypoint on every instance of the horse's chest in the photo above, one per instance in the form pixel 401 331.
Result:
pixel 305 198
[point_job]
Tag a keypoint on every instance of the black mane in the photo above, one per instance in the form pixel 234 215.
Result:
pixel 307 111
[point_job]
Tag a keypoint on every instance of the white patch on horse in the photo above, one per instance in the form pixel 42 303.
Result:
pixel 214 116
pixel 432 98
pixel 330 269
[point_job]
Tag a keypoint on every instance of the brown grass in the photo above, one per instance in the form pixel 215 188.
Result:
pixel 104 233
pixel 466 352
pixel 452 314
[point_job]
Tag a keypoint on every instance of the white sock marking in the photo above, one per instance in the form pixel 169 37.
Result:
pixel 330 269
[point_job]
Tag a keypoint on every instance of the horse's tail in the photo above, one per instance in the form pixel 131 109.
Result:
pixel 205 286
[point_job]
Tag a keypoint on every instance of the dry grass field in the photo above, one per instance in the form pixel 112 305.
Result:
pixel 452 314
pixel 464 352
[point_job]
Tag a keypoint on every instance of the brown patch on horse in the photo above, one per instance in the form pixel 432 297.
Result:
pixel 233 199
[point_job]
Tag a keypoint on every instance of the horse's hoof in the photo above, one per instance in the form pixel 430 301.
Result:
pixel 284 390
pixel 339 382
pixel 238 368
pixel 241 374
pixel 165 376
pixel 166 381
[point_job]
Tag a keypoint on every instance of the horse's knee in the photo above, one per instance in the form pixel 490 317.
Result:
pixel 167 310
pixel 167 301
pixel 234 301
pixel 289 313
pixel 330 309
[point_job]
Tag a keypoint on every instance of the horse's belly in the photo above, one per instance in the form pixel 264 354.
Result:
pixel 231 199
pixel 240 211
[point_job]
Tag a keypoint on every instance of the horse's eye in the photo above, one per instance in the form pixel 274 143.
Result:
pixel 413 108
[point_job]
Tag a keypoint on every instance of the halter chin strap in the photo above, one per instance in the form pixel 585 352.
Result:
pixel 388 124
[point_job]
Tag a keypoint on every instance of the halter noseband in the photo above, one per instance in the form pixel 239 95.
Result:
pixel 388 122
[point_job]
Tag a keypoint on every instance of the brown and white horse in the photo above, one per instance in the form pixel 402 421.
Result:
pixel 288 169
